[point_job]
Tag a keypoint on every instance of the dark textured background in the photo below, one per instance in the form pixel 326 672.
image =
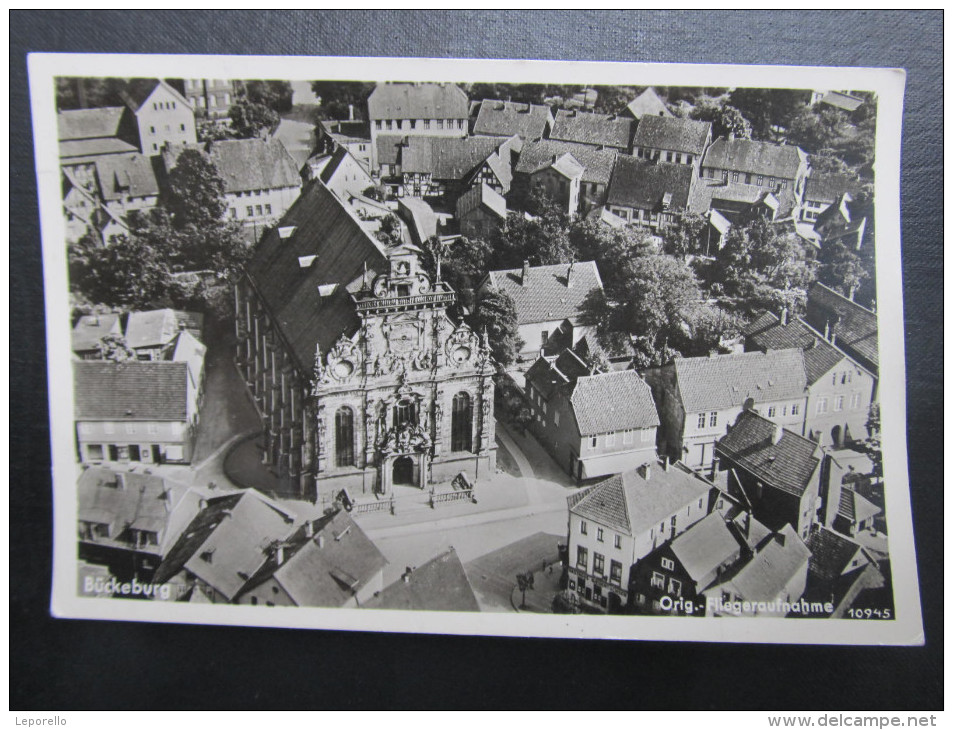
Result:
pixel 58 664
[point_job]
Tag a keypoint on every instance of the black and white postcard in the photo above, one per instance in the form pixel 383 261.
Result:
pixel 550 349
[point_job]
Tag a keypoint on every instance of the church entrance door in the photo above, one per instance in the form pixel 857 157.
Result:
pixel 404 471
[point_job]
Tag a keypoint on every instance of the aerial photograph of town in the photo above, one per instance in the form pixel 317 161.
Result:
pixel 495 347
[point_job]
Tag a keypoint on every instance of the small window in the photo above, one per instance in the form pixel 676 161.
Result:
pixel 618 542
pixel 713 419
pixel 701 420
pixel 600 534
pixel 839 403
pixel 760 180
pixel 584 527
pixel 152 130
pixel 675 587
pixel 598 564
pixel 582 557
pixel 615 572
pixel 658 581
pixel 249 211
pixel 668 564
pixel 627 436
pixel 610 439
pixel 822 405
pixel 181 127
pixel 267 209
pixel 258 210
pixel 772 411
pixel 592 441
pixel 794 409
pixel 855 400
pixel 734 176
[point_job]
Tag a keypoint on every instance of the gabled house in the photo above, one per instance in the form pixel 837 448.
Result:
pixel 86 134
pixel 89 331
pixel 840 569
pixel 416 108
pixel 607 131
pixel 592 423
pixel 645 104
pixel 546 296
pixel 839 389
pixel 507 118
pixel 327 562
pixel 353 135
pixel 229 541
pixel 619 521
pixel 649 194
pixel 777 473
pixel 822 191
pixel 343 174
pixel 440 584
pixel 698 397
pixel 152 334
pixel 669 139
pixel 162 116
pixel 480 211
pixel 211 98
pixel 544 165
pixel 845 324
pixel 137 411
pixel 771 583
pixel 840 222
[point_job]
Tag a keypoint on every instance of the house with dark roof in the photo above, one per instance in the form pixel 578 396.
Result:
pixel 543 165
pixel 327 562
pixel 440 584
pixel 354 135
pixel 480 211
pixel 341 339
pixel 649 104
pixel 342 173
pixel 619 521
pixel 607 131
pixel 545 297
pixel 136 411
pixel 670 139
pixel 698 397
pixel 592 423
pixel 230 540
pixel 86 134
pixel 126 519
pixel 152 334
pixel 771 583
pixel 822 191
pixel 433 109
pixel 840 569
pixel 507 118
pixel 778 474
pixel 261 178
pixel 737 171
pixel 841 222
pixel 649 194
pixel 845 324
pixel 839 389
pixel 843 100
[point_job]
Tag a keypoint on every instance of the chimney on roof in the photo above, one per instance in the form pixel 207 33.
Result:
pixel 280 554
pixel 779 536
pixel 646 471
pixel 320 541
pixel 309 529
pixel 746 525
pixel 665 462
pixel 572 263
pixel 777 433
pixel 784 315
pixel 350 112
pixel 524 280
pixel 121 481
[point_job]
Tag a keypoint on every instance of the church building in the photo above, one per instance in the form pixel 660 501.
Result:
pixel 363 380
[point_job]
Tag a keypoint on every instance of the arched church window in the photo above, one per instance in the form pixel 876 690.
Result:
pixel 344 437
pixel 461 430
pixel 405 411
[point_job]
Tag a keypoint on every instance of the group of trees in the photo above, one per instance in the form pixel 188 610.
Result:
pixel 257 111
pixel 186 233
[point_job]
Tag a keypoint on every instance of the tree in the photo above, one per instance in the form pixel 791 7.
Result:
pixel 524 581
pixel 339 98
pixel 496 313
pixel 762 267
pixel 841 268
pixel 683 236
pixel 250 120
pixel 208 130
pixel 462 264
pixel 129 273
pixel 613 249
pixel 704 328
pixel 389 231
pixel 276 95
pixel 195 191
pixel 541 240
pixel 765 108
pixel 817 128
pixel 115 348
pixel 725 120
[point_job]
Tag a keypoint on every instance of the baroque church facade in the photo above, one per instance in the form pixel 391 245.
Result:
pixel 362 379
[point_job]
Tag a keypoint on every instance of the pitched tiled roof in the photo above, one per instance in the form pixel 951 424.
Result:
pixel 151 329
pixel 323 227
pixel 254 164
pixel 122 176
pixel 130 391
pixel 669 133
pixel 417 101
pixel 540 155
pixel 421 215
pixel 767 333
pixel 828 188
pixel 545 297
pixel 506 118
pixel 136 94
pixel 592 129
pixel 446 158
pixel 76 124
pixel 767 574
pixel 855 507
pixel 704 546
pixel 228 541
pixel 630 503
pixel 842 101
pixel 328 568
pixel 648 103
pixel 714 193
pixel 124 501
pixel 614 401
pixel 831 553
pixel 439 585
pixel 760 158
pixel 726 381
pixel 855 326
pixel 91 328
pixel 643 184
pixel 75 149
pixel 550 374
pixel 481 195
pixel 787 463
